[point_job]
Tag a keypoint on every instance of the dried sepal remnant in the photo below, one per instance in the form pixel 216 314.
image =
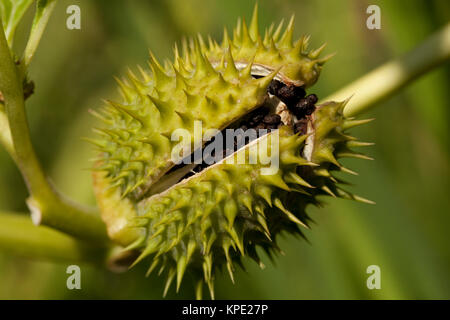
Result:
pixel 199 219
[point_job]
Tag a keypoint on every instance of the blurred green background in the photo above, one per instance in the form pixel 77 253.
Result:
pixel 406 233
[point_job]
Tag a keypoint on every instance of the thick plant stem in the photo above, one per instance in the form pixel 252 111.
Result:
pixel 14 104
pixel 46 205
pixel 19 236
pixel 384 81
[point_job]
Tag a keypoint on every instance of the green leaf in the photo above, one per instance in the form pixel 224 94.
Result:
pixel 11 12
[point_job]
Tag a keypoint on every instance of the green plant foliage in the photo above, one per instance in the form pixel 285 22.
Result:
pixel 12 12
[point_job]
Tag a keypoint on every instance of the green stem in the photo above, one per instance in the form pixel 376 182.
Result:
pixel 46 205
pixel 5 135
pixel 19 236
pixel 44 10
pixel 384 81
pixel 14 104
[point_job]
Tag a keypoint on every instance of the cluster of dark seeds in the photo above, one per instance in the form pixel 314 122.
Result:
pixel 297 102
pixel 295 99
pixel 259 119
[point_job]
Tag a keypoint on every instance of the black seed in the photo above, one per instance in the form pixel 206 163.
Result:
pixel 303 103
pixel 299 92
pixel 312 98
pixel 300 108
pixel 256 116
pixel 304 107
pixel 287 95
pixel 290 94
pixel 272 119
pixel 310 110
pixel 274 86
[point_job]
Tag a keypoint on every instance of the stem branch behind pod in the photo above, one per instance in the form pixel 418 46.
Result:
pixel 387 79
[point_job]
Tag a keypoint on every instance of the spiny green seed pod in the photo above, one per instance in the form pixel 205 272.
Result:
pixel 200 223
